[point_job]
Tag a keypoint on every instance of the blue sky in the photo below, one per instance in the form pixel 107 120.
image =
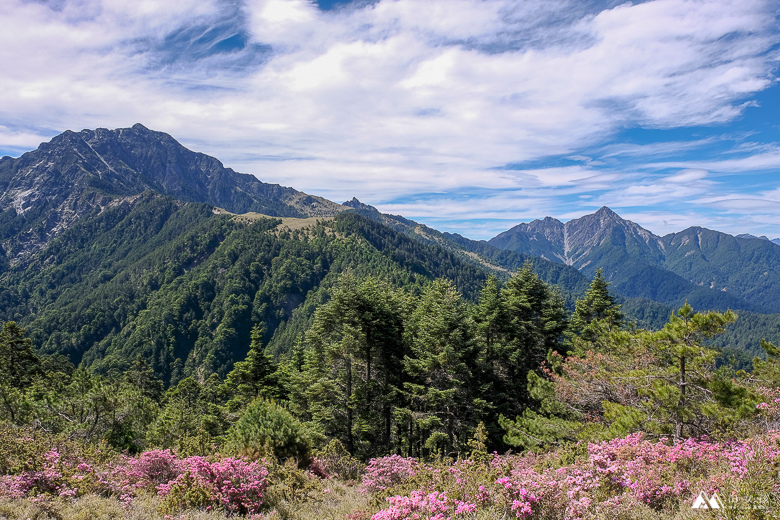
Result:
pixel 468 115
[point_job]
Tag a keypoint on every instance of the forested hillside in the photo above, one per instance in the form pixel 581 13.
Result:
pixel 182 286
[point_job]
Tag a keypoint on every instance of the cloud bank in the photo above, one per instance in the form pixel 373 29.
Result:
pixel 446 110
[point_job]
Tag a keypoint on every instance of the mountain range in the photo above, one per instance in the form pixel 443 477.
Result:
pixel 707 268
pixel 123 243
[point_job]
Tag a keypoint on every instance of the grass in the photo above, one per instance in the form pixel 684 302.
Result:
pixel 337 501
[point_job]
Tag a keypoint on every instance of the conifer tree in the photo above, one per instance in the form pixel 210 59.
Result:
pixel 766 372
pixel 189 419
pixel 685 380
pixel 142 376
pixel 19 366
pixel 267 429
pixel 597 311
pixel 488 318
pixel 256 376
pixel 353 364
pixel 441 406
pixel 533 320
pixel 661 383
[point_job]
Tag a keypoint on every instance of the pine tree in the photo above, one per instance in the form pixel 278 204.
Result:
pixel 268 429
pixel 189 420
pixel 597 312
pixel 142 376
pixel 766 371
pixel 256 376
pixel 661 383
pixel 686 368
pixel 441 408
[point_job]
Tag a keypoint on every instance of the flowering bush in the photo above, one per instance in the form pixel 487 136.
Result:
pixel 617 476
pixel 383 472
pixel 233 485
pixel 628 478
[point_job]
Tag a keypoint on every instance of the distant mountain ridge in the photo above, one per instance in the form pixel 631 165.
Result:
pixel 46 190
pixel 694 264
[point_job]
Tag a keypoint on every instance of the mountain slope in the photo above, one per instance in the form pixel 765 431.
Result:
pixel 182 286
pixel 45 191
pixel 709 269
pixel 501 263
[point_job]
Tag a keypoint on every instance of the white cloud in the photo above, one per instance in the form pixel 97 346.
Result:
pixel 769 160
pixel 400 96
pixel 20 139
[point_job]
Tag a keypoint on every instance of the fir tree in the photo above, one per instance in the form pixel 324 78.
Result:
pixel 533 320
pixel 353 364
pixel 256 376
pixel 597 312
pixel 19 367
pixel 441 405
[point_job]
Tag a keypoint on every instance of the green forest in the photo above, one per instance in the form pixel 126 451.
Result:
pixel 416 370
pixel 156 345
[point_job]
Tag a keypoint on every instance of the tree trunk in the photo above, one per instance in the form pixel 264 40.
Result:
pixel 350 438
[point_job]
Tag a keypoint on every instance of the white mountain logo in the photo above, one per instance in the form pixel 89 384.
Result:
pixel 705 502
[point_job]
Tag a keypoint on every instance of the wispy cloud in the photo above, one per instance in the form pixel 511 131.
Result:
pixel 764 160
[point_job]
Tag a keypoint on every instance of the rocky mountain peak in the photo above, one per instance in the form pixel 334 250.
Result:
pixel 46 190
pixel 356 204
pixel 575 242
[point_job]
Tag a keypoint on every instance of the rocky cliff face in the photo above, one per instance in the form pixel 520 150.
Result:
pixel 75 174
pixel 545 238
pixel 579 240
pixel 715 269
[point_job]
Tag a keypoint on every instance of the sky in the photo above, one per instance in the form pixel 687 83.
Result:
pixel 467 115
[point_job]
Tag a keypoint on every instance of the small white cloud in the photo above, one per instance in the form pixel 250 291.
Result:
pixel 686 176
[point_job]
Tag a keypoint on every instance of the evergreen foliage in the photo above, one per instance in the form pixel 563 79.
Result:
pixel 267 429
pixel 662 383
pixel 598 305
pixel 441 407
pixel 352 368
pixel 256 376
pixel 530 320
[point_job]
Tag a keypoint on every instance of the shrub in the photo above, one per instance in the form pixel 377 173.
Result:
pixel 289 486
pixel 335 461
pixel 627 478
pixel 234 485
pixel 384 472
pixel 267 429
